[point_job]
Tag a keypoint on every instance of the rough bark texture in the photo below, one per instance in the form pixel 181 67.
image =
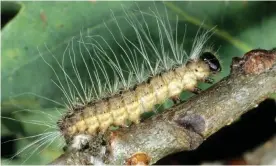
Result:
pixel 186 125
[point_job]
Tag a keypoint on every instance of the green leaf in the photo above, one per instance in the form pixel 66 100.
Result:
pixel 39 23
pixel 4 130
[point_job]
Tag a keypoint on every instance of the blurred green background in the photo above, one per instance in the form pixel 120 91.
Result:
pixel 29 26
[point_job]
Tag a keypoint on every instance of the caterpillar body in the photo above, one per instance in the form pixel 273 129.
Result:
pixel 146 84
pixel 130 104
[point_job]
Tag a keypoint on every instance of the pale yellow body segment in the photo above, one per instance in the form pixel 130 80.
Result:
pixel 173 83
pixel 188 81
pixel 132 105
pixel 92 124
pixel 105 120
pixel 118 110
pixel 81 126
pixel 160 89
pixel 146 97
pixel 72 130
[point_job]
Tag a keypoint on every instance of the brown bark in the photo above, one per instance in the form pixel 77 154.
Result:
pixel 185 126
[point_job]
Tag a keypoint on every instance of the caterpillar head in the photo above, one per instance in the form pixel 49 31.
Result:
pixel 212 61
pixel 199 69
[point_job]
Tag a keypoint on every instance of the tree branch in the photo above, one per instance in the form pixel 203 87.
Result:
pixel 187 125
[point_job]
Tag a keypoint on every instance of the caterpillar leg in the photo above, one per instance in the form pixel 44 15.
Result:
pixel 209 80
pixel 176 99
pixel 126 124
pixel 196 90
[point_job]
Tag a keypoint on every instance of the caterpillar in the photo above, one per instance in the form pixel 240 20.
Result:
pixel 130 104
pixel 147 84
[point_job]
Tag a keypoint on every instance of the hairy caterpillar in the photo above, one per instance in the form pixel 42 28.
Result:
pixel 142 66
pixel 129 95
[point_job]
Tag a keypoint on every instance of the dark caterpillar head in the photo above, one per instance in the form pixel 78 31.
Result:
pixel 212 61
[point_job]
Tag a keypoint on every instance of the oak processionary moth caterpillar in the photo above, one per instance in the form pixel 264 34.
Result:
pixel 145 74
